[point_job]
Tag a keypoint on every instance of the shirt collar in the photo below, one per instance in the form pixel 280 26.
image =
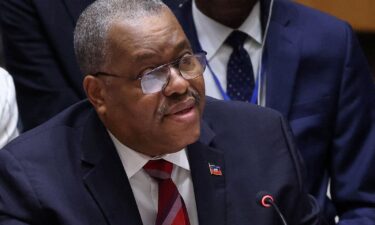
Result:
pixel 134 161
pixel 212 34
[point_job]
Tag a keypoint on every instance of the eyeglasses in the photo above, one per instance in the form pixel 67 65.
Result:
pixel 190 67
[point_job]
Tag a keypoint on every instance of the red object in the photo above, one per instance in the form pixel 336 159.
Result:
pixel 171 206
pixel 265 201
pixel 215 170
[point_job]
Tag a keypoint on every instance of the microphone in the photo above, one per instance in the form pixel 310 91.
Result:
pixel 266 200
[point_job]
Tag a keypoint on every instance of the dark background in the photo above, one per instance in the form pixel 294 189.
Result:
pixel 368 45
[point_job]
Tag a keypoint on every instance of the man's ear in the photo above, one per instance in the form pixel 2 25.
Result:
pixel 95 90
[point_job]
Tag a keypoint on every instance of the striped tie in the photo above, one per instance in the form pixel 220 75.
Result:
pixel 171 206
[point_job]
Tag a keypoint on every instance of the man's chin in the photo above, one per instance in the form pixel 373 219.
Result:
pixel 182 139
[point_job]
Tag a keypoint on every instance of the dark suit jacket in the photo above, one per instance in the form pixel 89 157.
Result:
pixel 38 47
pixel 67 171
pixel 318 78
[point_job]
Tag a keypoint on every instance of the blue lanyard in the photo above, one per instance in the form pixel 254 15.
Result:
pixel 254 97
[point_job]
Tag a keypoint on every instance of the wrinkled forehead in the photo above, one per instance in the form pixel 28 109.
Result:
pixel 144 37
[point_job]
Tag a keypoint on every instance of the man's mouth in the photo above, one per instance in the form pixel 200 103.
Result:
pixel 184 111
pixel 182 107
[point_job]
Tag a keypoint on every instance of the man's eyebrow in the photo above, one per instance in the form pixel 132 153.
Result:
pixel 183 45
pixel 144 56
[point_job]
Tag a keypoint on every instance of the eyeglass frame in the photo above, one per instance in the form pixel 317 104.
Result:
pixel 169 65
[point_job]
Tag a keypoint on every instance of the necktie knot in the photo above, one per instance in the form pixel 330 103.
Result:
pixel 236 39
pixel 159 169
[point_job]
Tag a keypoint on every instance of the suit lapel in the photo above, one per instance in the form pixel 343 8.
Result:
pixel 209 189
pixel 75 7
pixel 106 181
pixel 281 59
pixel 104 176
pixel 184 14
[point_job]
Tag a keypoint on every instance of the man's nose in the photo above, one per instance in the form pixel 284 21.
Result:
pixel 176 83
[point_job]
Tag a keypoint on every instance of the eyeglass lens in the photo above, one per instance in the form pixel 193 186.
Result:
pixel 190 67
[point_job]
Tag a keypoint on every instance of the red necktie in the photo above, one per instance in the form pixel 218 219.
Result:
pixel 171 206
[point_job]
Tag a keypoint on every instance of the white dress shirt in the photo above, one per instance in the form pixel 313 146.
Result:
pixel 145 188
pixel 8 109
pixel 212 35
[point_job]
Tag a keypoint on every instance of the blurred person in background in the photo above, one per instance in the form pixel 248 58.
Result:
pixel 8 109
pixel 309 66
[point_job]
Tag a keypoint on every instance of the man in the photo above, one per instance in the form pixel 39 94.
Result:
pixel 8 109
pixel 314 73
pixel 119 159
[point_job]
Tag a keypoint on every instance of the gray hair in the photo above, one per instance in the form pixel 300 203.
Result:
pixel 90 34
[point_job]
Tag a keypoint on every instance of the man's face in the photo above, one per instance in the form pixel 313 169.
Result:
pixel 158 123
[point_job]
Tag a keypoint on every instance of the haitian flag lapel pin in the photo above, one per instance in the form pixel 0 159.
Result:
pixel 215 170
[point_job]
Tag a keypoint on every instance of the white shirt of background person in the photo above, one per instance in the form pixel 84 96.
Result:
pixel 8 109
pixel 212 36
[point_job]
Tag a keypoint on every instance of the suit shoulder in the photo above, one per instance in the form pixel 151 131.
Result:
pixel 309 18
pixel 317 31
pixel 237 111
pixel 49 135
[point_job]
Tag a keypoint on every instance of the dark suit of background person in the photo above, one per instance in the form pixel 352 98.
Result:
pixel 38 50
pixel 318 78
